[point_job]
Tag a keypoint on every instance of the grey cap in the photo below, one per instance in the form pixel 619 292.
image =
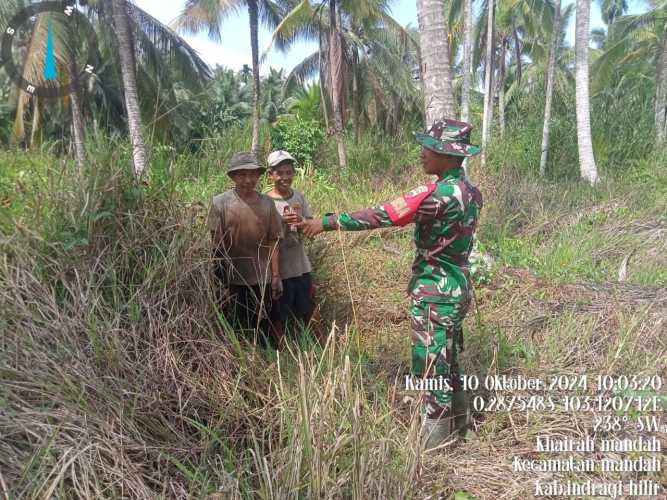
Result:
pixel 277 157
pixel 244 161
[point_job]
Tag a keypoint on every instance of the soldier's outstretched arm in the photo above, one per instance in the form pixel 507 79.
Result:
pixel 398 212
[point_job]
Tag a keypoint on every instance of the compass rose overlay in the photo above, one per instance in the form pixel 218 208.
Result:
pixel 84 32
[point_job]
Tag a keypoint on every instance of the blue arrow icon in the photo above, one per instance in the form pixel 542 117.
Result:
pixel 50 70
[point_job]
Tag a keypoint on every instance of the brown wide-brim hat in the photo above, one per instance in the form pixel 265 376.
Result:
pixel 448 137
pixel 244 161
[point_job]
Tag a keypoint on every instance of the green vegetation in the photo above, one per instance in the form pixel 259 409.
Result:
pixel 122 379
pixel 300 137
pixel 113 349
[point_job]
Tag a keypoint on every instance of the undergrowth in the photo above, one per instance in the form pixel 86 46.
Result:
pixel 120 378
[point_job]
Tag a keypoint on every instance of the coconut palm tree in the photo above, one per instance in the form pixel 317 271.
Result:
pixel 537 48
pixel 488 74
pixel 164 59
pixel 305 102
pixel 551 69
pixel 273 96
pixel 436 72
pixel 514 22
pixel 637 47
pixel 129 75
pixel 467 60
pixel 337 78
pixel 612 9
pixel 198 15
pixel 347 33
pixel 77 117
pixel 661 90
pixel 585 143
pixel 226 102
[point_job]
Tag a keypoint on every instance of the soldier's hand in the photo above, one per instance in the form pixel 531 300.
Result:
pixel 311 227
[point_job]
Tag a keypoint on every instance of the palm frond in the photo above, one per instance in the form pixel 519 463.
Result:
pixel 455 12
pixel 365 9
pixel 9 8
pixel 206 15
pixel 306 69
pixel 171 46
pixel 270 13
pixel 300 23
pixel 626 24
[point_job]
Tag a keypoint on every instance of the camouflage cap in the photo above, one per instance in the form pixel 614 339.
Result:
pixel 448 137
pixel 244 161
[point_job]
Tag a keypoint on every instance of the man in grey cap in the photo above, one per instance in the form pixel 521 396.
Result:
pixel 245 232
pixel 297 301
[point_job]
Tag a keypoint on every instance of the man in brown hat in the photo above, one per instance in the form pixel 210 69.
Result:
pixel 245 231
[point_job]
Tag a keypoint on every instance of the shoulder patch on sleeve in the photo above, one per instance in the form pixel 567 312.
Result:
pixel 402 210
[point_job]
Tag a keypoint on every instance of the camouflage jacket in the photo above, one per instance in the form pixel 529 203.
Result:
pixel 445 214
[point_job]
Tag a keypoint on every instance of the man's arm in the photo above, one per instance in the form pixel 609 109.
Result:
pixel 275 234
pixel 218 251
pixel 276 281
pixel 220 259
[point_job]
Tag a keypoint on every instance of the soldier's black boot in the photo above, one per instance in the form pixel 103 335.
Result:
pixel 461 411
pixel 434 431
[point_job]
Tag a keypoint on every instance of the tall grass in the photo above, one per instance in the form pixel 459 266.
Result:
pixel 122 379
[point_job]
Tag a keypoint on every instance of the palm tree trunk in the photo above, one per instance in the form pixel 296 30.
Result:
pixel 24 98
pixel 517 53
pixel 492 97
pixel 253 15
pixel 355 97
pixel 661 92
pixel 323 81
pixel 488 88
pixel 323 105
pixel 436 70
pixel 36 123
pixel 586 159
pixel 77 114
pixel 551 69
pixel 77 125
pixel 467 60
pixel 501 87
pixel 337 82
pixel 17 136
pixel 129 75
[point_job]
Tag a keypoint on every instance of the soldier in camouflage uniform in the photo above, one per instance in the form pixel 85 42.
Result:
pixel 445 213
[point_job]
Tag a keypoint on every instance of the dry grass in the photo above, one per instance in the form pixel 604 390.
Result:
pixel 120 380
pixel 522 325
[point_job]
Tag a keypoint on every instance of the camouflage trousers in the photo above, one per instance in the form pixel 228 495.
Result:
pixel 437 337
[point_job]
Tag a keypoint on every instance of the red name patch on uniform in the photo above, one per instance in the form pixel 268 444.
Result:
pixel 402 210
